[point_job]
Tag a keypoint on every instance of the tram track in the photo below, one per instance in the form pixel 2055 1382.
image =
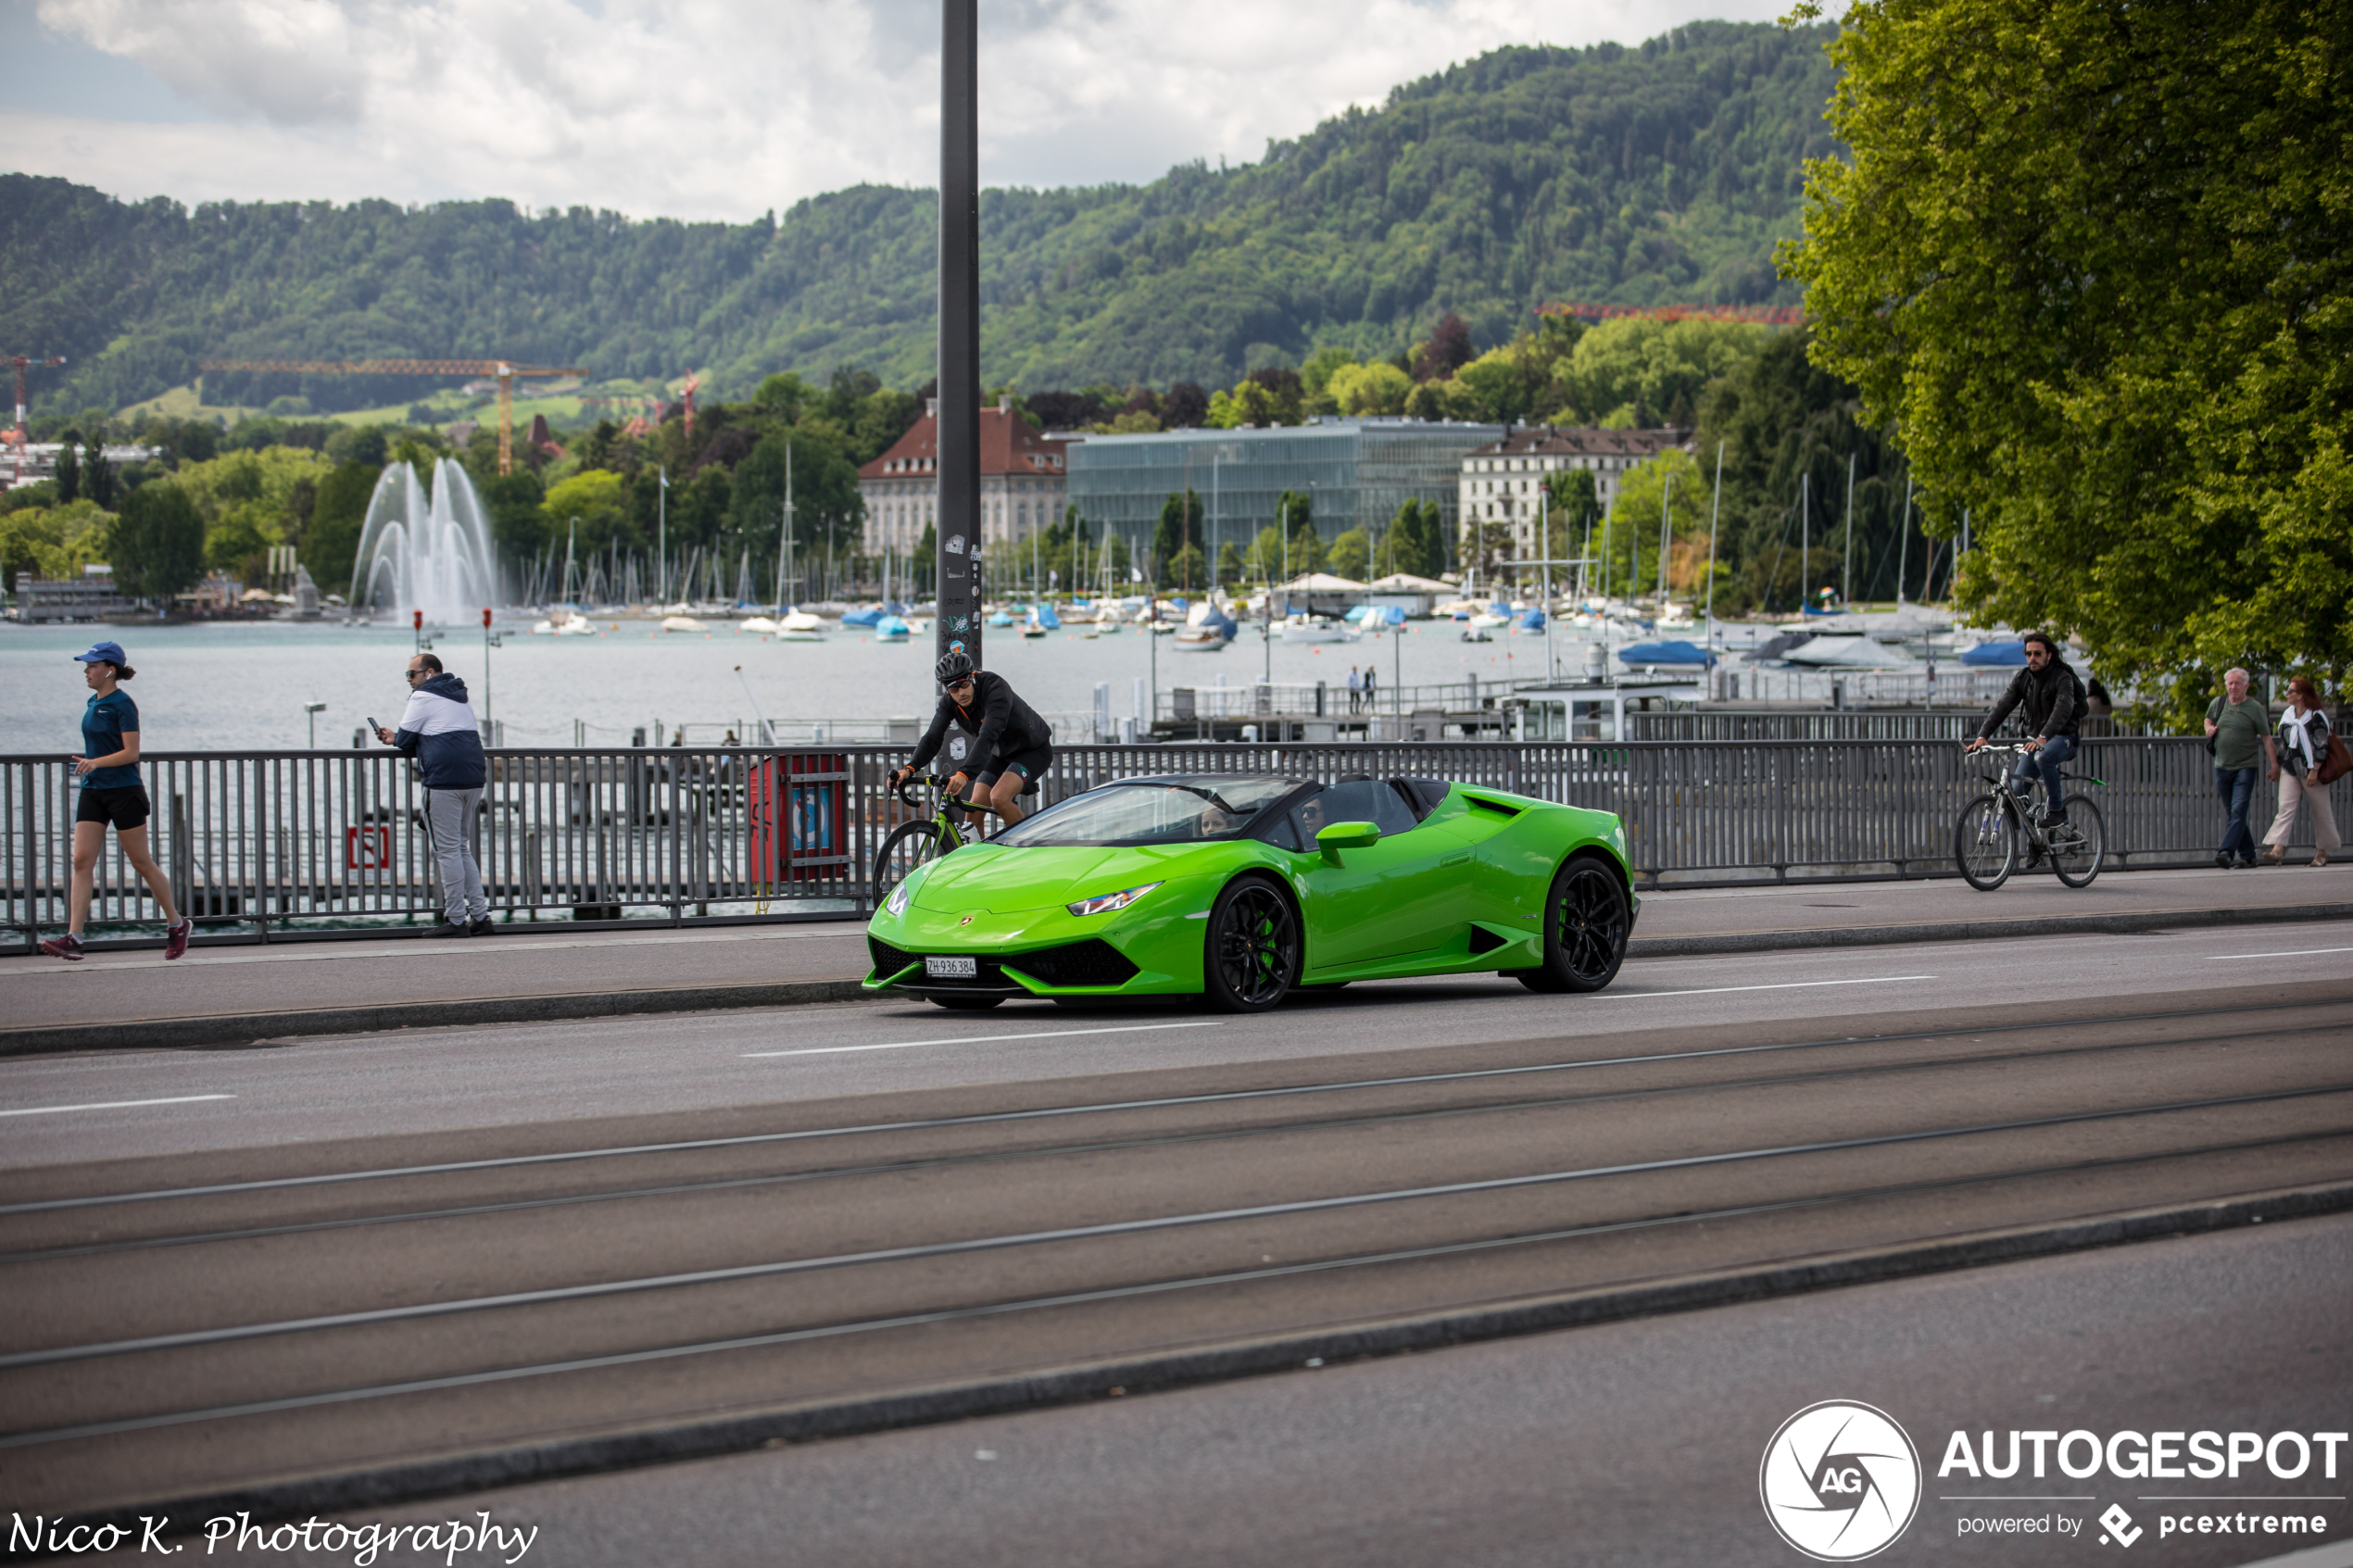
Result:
pixel 12 1213
pixel 343 1318
pixel 819 1173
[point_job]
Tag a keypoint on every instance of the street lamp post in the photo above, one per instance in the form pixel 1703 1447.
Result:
pixel 490 641
pixel 958 620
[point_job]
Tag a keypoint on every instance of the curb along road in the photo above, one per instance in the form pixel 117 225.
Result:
pixel 1048 1387
pixel 239 1029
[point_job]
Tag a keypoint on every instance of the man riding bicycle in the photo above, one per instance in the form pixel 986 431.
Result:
pixel 1011 745
pixel 2053 696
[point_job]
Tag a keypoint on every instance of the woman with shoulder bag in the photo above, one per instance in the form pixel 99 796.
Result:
pixel 2301 760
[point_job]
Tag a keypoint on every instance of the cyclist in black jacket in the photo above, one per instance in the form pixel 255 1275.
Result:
pixel 2052 695
pixel 1011 745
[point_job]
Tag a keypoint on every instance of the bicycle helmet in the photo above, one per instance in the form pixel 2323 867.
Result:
pixel 953 666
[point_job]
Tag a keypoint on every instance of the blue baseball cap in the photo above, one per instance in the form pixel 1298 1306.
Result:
pixel 110 653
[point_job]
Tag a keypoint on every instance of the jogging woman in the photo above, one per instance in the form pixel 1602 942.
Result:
pixel 111 793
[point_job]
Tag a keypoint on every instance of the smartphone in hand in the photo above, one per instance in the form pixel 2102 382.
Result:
pixel 375 729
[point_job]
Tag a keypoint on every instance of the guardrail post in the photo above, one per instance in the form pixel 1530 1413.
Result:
pixel 263 774
pixel 182 856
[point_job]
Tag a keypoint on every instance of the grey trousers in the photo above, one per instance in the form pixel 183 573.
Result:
pixel 451 814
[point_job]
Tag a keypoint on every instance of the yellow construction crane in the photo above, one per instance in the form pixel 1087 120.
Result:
pixel 504 370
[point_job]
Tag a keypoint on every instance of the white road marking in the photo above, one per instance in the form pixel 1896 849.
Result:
pixel 2294 953
pixel 1785 985
pixel 110 1105
pixel 985 1039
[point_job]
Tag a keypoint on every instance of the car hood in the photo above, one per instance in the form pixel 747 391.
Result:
pixel 984 877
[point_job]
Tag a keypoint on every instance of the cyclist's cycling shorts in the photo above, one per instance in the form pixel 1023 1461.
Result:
pixel 1029 766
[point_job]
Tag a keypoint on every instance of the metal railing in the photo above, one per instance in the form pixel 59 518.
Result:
pixel 325 841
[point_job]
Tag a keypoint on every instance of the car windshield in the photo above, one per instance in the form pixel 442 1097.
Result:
pixel 1150 812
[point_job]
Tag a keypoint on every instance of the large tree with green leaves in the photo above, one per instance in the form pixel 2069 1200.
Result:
pixel 158 541
pixel 2092 261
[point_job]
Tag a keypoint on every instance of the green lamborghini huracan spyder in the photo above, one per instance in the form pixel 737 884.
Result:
pixel 1242 888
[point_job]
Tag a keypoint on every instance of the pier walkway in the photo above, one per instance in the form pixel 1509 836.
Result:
pixel 235 993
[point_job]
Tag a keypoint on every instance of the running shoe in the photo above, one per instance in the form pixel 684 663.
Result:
pixel 480 927
pixel 175 937
pixel 67 947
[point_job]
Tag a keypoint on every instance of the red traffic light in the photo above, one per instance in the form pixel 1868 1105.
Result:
pixel 416 619
pixel 485 620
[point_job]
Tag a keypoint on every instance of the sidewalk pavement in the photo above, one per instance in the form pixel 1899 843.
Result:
pixel 236 994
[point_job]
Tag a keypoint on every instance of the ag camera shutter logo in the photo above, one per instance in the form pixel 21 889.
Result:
pixel 1840 1481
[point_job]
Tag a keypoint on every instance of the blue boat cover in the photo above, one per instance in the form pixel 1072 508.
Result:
pixel 866 616
pixel 1672 651
pixel 1532 621
pixel 1997 654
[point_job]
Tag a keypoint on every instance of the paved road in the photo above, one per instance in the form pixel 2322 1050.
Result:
pixel 448 1080
pixel 913 1209
pixel 132 986
pixel 1632 1443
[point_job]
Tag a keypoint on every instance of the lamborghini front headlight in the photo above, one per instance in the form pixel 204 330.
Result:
pixel 1103 904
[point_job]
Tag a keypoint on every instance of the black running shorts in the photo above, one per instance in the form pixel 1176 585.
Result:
pixel 120 808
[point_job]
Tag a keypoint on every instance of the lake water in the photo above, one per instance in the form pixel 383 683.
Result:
pixel 243 685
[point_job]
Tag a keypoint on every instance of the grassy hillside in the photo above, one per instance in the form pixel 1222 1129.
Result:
pixel 1663 172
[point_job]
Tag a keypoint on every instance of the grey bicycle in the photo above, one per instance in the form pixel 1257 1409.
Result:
pixel 1986 840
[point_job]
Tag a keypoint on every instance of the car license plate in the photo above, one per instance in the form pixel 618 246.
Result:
pixel 937 967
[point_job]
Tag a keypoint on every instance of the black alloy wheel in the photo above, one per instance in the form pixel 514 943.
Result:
pixel 1587 922
pixel 1253 947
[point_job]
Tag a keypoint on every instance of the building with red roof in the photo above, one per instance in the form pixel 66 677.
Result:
pixel 1023 482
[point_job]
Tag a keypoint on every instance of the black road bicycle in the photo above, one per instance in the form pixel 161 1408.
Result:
pixel 1985 841
pixel 928 837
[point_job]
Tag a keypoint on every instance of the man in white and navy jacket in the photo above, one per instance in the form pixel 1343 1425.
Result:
pixel 438 729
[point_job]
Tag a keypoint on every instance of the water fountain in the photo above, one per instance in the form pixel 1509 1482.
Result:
pixel 425 551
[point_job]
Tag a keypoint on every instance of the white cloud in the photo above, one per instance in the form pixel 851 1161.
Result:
pixel 722 108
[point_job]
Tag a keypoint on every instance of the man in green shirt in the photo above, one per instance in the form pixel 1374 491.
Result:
pixel 2237 724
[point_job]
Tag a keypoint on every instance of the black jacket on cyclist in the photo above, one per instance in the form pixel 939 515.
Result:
pixel 2052 697
pixel 1001 725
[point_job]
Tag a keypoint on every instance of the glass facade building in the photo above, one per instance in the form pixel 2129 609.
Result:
pixel 1358 472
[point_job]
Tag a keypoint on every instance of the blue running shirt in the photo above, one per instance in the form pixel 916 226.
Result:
pixel 104 723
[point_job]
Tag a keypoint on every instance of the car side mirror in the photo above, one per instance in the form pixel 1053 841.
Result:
pixel 1336 837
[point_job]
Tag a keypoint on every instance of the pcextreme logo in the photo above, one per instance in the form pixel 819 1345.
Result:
pixel 1840 1481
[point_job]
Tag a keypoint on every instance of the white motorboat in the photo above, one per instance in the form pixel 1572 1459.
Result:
pixel 1198 639
pixel 800 627
pixel 572 624
pixel 759 623
pixel 682 623
pixel 1317 629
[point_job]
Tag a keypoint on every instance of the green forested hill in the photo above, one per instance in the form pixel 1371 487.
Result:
pixel 1663 172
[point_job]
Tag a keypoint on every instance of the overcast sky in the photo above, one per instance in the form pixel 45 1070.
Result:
pixel 708 108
